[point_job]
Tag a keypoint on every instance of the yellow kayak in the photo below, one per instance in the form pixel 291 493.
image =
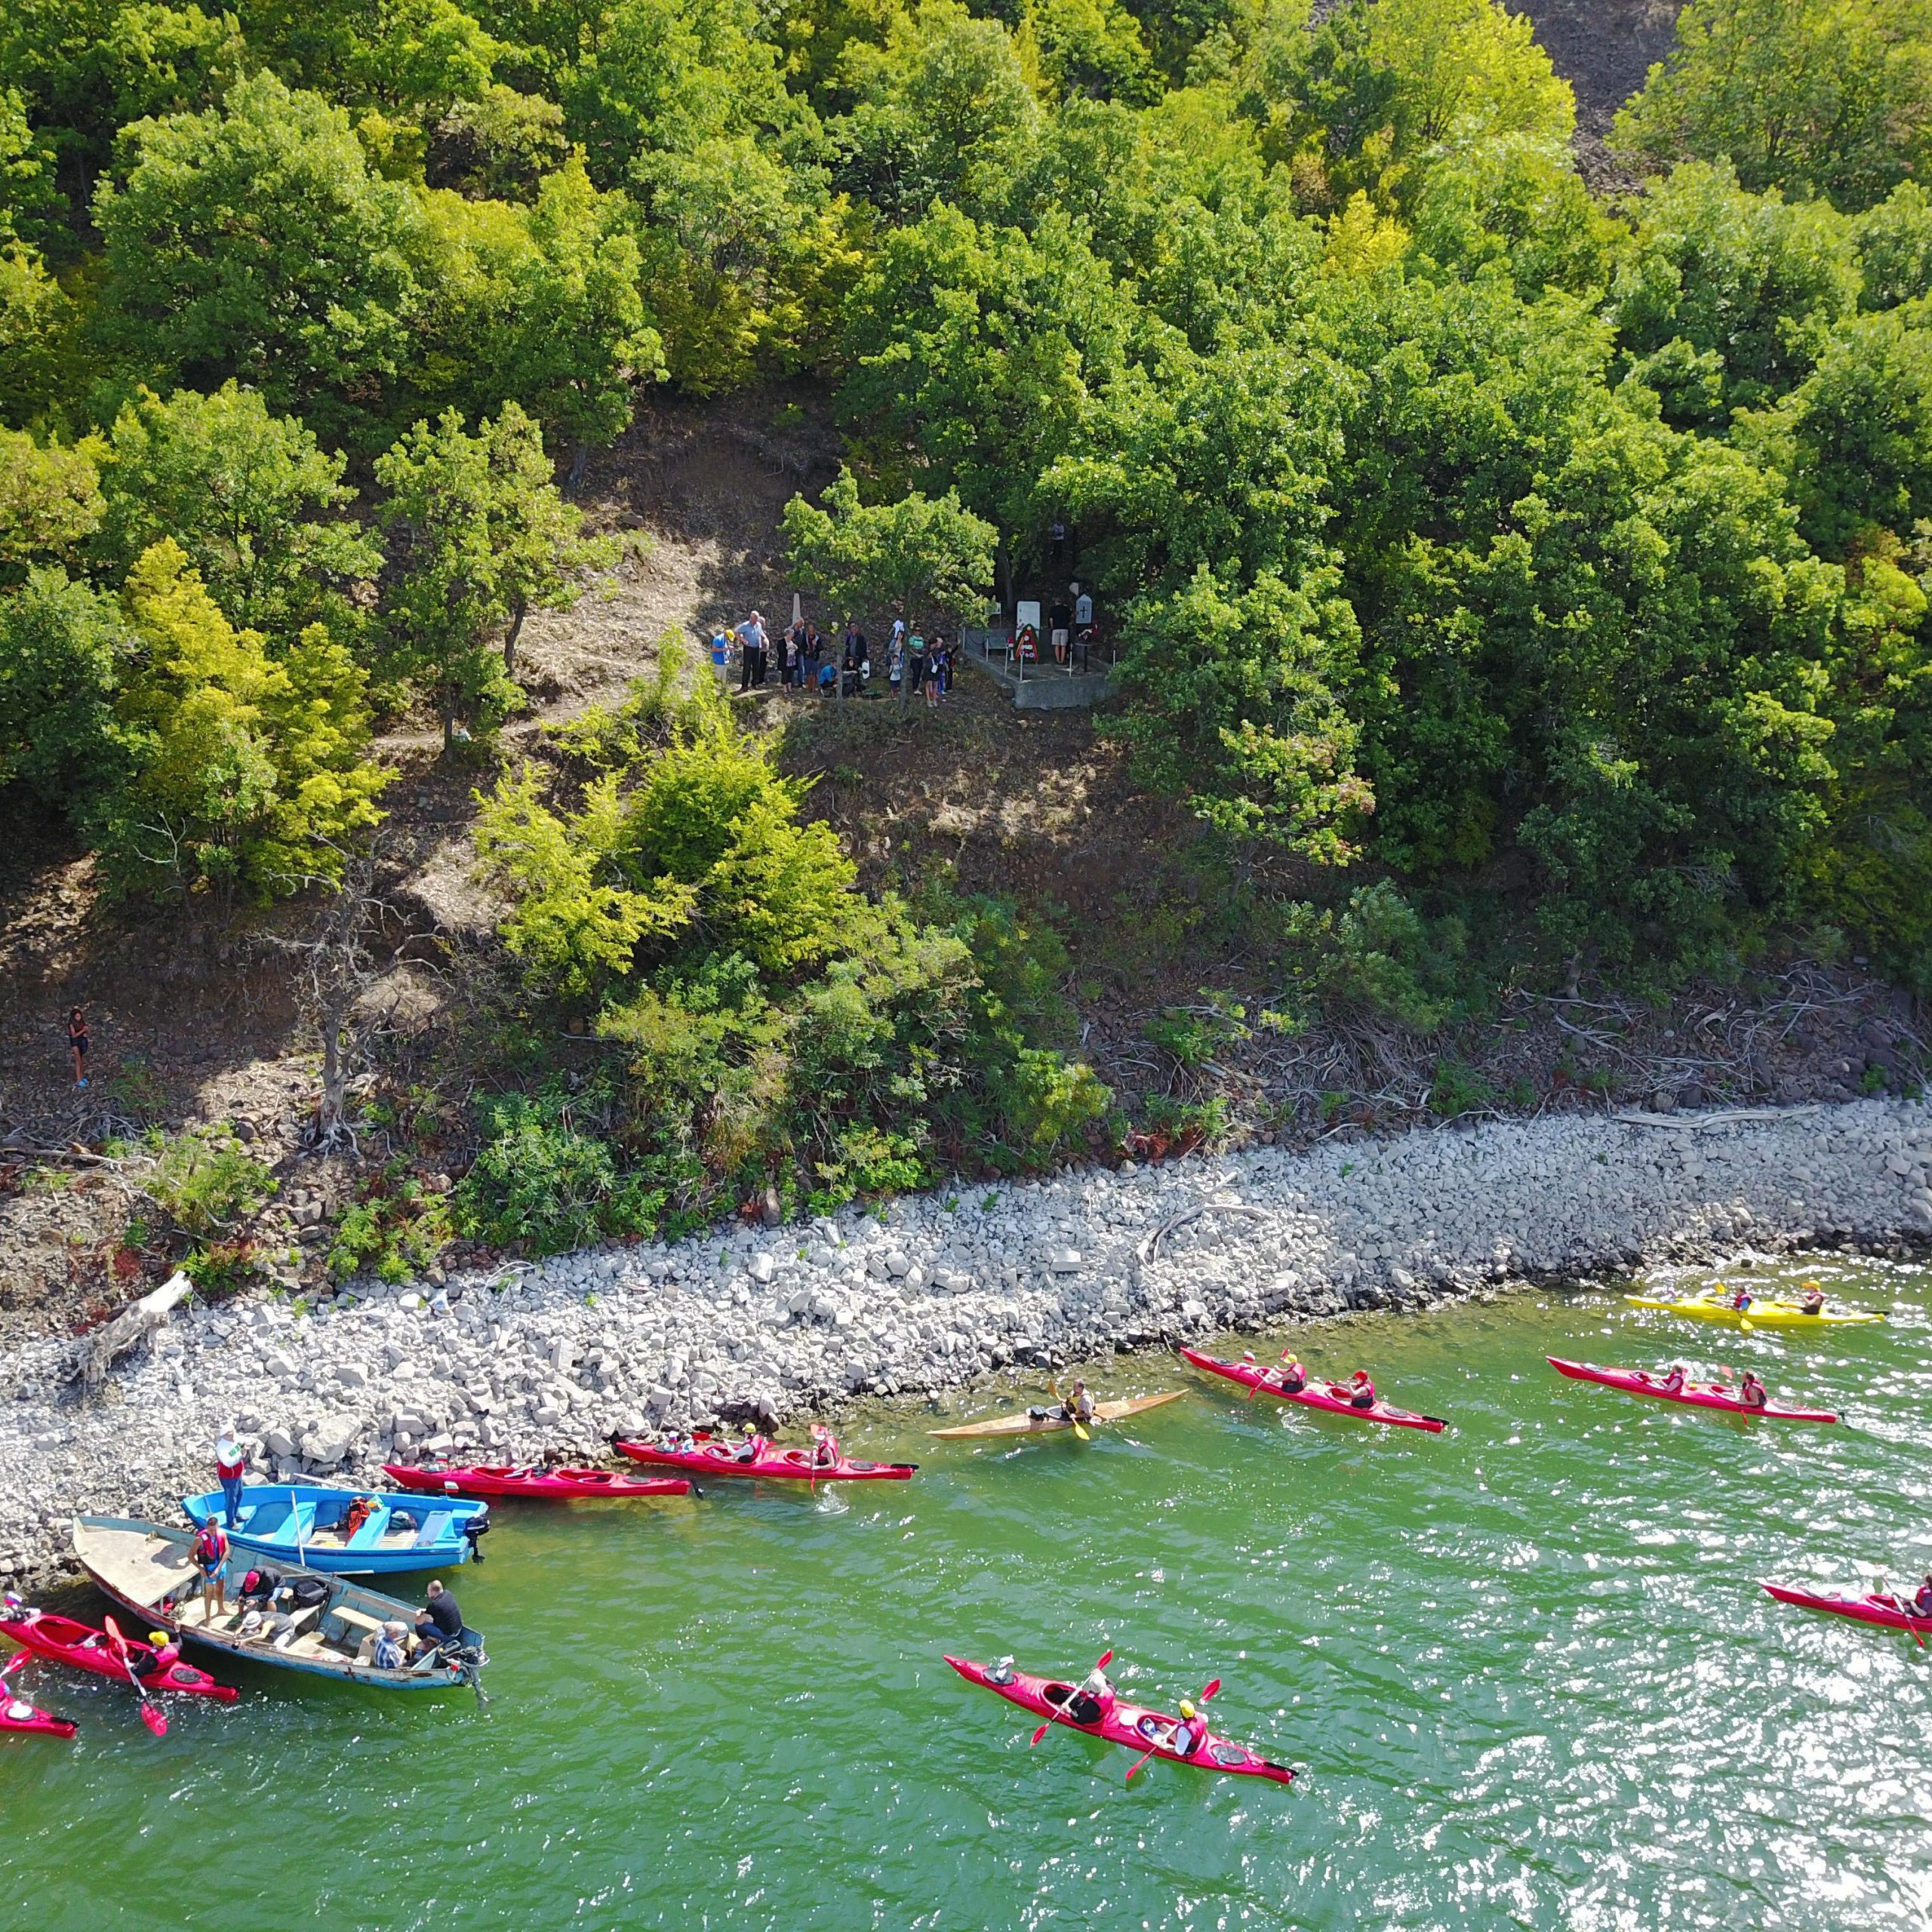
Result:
pixel 1030 1425
pixel 1760 1314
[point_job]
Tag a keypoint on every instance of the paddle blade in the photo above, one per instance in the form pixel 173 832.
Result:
pixel 1040 1733
pixel 150 1716
pixel 1136 1765
pixel 1212 1690
pixel 1080 1432
pixel 1106 1658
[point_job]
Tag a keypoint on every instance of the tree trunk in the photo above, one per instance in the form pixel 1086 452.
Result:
pixel 449 730
pixel 518 611
pixel 579 462
pixel 334 1015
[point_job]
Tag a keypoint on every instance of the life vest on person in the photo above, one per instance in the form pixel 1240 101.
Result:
pixel 211 1546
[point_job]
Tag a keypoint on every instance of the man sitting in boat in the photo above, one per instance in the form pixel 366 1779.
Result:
pixel 152 1663
pixel 1078 1404
pixel 1184 1738
pixel 1814 1300
pixel 439 1623
pixel 1754 1395
pixel 825 1447
pixel 1740 1299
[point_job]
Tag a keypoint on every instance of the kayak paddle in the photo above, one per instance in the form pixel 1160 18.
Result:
pixel 1214 1685
pixel 1105 1658
pixel 1913 1628
pixel 151 1715
pixel 1079 1430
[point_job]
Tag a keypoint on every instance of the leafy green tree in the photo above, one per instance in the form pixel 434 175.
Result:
pixel 254 242
pixel 1895 247
pixel 919 553
pixel 1092 47
pixel 65 650
pixel 1728 298
pixel 31 205
pixel 251 774
pixel 942 111
pixel 250 496
pixel 538 306
pixel 40 370
pixel 1831 97
pixel 479 537
pixel 50 501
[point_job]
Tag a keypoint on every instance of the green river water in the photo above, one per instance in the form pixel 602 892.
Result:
pixel 1526 1663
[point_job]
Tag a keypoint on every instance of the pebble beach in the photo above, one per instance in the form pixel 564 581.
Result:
pixel 927 1293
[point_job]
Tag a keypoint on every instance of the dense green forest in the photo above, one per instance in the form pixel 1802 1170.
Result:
pixel 1477 536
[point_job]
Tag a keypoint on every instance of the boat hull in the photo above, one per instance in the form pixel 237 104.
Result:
pixel 1133 1727
pixel 1312 1397
pixel 498 1482
pixel 302 1523
pixel 1030 1425
pixel 780 1465
pixel 1859 1610
pixel 1635 1382
pixel 145 1567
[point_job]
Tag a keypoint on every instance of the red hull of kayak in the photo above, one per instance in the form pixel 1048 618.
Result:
pixel 1128 1725
pixel 1635 1382
pixel 30 1717
pixel 1860 1609
pixel 1313 1397
pixel 539 1485
pixel 66 1641
pixel 787 1465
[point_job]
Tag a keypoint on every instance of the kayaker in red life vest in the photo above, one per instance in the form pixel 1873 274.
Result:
pixel 1291 1377
pixel 1096 1687
pixel 152 1663
pixel 825 1447
pixel 1754 1395
pixel 1673 1384
pixel 752 1448
pixel 1921 1604
pixel 1813 1302
pixel 209 1554
pixel 1190 1733
pixel 1358 1392
pixel 1740 1299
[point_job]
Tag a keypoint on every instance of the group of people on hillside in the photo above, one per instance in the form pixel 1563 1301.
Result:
pixel 918 665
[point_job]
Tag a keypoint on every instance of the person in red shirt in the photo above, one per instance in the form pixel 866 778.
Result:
pixel 231 1465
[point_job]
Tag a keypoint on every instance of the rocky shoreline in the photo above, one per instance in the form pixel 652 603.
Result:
pixel 926 1294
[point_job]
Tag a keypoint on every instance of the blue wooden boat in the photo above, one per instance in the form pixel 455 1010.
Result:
pixel 147 1568
pixel 308 1523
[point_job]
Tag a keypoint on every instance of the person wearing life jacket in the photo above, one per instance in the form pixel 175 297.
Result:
pixel 1922 1602
pixel 1813 1301
pixel 231 1465
pixel 1740 1299
pixel 209 1554
pixel 154 1661
pixel 1190 1733
pixel 1291 1377
pixel 1078 1404
pixel 1673 1384
pixel 1754 1395
pixel 825 1447
pixel 753 1446
pixel 1358 1392
pixel 1097 1689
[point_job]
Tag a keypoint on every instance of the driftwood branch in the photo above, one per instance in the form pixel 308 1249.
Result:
pixel 98 1352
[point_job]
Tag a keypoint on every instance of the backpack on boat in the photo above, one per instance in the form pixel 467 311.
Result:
pixel 305 1592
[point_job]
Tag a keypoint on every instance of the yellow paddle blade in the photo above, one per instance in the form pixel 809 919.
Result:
pixel 1080 1431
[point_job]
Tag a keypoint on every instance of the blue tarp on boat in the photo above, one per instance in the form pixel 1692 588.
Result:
pixel 347 1532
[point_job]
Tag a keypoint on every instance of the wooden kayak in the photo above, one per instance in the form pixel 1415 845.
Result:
pixel 494 1479
pixel 719 1459
pixel 1045 1425
pixel 146 1568
pixel 1759 1314
pixel 1873 1608
pixel 1316 1395
pixel 1710 1396
pixel 1130 1725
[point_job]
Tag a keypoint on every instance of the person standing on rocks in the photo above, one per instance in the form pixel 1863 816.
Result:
pixel 230 1466
pixel 77 1043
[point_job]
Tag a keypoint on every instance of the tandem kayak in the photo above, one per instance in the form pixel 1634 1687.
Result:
pixel 1030 1424
pixel 65 1641
pixel 566 1485
pixel 718 1459
pixel 1871 1608
pixel 1316 1395
pixel 1130 1725
pixel 1711 1395
pixel 1760 1314
pixel 17 1714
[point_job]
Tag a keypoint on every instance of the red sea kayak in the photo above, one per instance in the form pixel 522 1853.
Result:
pixel 1130 1725
pixel 17 1714
pixel 494 1479
pixel 1882 1610
pixel 1315 1396
pixel 716 1459
pixel 80 1644
pixel 1711 1395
